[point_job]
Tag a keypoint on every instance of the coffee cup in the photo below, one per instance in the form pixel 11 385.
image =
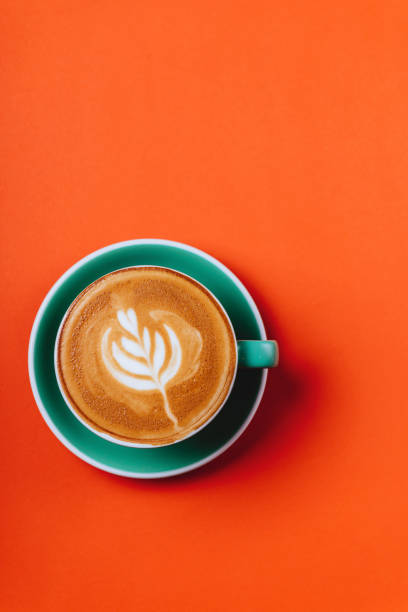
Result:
pixel 147 356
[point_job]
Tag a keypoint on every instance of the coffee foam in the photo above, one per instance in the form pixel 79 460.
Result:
pixel 146 355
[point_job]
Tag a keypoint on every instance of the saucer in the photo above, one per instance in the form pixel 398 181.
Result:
pixel 187 455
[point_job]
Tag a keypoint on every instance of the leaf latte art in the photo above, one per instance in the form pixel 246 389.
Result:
pixel 138 361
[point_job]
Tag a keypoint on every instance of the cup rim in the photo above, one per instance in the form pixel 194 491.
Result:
pixel 129 443
pixel 42 408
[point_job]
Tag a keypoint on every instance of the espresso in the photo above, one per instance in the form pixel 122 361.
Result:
pixel 145 355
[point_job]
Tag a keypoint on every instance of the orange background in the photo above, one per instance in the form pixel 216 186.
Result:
pixel 274 136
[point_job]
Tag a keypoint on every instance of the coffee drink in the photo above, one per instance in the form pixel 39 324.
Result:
pixel 145 355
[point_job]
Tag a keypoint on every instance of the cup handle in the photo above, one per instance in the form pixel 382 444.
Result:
pixel 258 353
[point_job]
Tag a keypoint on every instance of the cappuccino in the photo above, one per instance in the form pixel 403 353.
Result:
pixel 145 355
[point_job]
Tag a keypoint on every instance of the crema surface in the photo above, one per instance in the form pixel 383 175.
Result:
pixel 146 355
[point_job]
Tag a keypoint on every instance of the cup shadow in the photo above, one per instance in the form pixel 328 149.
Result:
pixel 285 416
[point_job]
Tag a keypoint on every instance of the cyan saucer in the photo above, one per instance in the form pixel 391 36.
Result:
pixel 208 443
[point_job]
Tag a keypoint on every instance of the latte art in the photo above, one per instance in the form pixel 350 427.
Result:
pixel 145 355
pixel 138 363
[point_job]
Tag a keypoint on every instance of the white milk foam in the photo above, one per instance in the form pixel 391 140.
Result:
pixel 138 362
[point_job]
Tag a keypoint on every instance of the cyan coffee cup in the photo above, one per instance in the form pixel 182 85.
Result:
pixel 248 354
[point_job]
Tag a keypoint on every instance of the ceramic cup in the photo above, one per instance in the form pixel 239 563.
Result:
pixel 248 354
